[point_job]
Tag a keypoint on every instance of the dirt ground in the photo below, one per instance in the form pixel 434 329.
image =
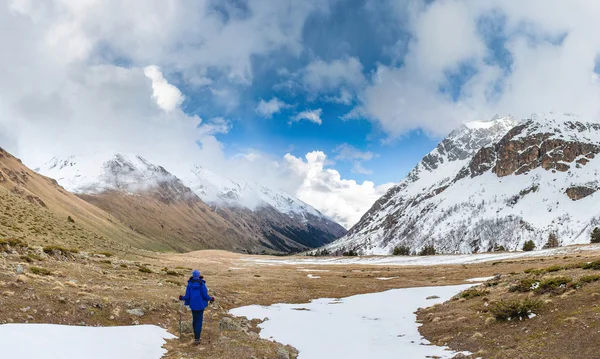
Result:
pixel 85 289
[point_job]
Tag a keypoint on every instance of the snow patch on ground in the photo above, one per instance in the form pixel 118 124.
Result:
pixel 48 341
pixel 319 328
pixel 479 280
pixel 313 276
pixel 387 278
pixel 421 260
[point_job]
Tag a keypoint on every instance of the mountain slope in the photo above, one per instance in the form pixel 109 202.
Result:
pixel 158 205
pixel 279 216
pixel 36 209
pixel 513 182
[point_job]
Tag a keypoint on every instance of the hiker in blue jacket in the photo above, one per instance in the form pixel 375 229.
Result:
pixel 197 298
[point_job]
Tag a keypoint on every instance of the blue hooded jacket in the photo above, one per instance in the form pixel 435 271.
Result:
pixel 196 294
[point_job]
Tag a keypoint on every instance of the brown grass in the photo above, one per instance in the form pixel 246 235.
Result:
pixel 565 326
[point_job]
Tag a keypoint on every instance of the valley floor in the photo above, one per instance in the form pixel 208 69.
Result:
pixel 142 288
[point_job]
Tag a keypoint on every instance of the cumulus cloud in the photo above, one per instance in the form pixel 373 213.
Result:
pixel 308 115
pixel 469 60
pixel 343 200
pixel 268 108
pixel 167 96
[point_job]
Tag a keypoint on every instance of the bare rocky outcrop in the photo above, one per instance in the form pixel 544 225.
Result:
pixel 579 192
pixel 520 152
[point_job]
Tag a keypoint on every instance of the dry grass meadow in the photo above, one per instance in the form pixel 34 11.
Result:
pixel 72 286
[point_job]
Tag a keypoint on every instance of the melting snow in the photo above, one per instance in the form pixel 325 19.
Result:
pixel 313 276
pixel 48 341
pixel 387 278
pixel 377 328
pixel 479 280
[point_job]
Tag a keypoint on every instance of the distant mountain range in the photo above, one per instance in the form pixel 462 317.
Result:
pixel 199 210
pixel 491 185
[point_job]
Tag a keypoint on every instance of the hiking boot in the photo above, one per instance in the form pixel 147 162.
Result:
pixel 197 342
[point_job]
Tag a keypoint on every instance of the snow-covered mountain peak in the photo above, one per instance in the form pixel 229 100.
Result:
pixel 495 122
pixel 217 189
pixel 504 184
pixel 440 166
pixel 98 173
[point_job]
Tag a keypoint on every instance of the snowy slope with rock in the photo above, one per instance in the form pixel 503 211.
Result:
pixel 216 189
pixel 489 185
pixel 250 216
pixel 276 214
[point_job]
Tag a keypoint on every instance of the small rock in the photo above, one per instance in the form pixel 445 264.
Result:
pixel 29 317
pixel 282 353
pixel 138 312
pixel 26 309
pixel 21 278
pixel 19 269
pixel 227 323
pixel 432 297
pixel 187 327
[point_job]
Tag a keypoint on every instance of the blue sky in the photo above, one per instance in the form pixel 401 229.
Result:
pixel 350 29
pixel 330 100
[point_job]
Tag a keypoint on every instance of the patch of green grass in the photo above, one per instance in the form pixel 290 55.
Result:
pixel 173 273
pixel 106 261
pixel 30 258
pixel 589 279
pixel 473 293
pixel 145 270
pixel 514 309
pixel 40 271
pixel 554 285
pixel 554 268
pixel 123 265
pixel 534 271
pixel 595 265
pixel 186 268
pixel 59 249
pixel 524 285
pixel 12 242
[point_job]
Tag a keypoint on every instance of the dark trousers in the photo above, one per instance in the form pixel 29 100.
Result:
pixel 198 316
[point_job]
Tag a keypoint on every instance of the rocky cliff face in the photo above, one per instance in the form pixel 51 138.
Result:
pixel 517 182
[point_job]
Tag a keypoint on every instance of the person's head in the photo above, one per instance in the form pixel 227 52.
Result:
pixel 196 274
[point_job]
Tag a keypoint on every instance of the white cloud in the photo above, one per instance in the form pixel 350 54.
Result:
pixel 341 199
pixel 268 108
pixel 167 96
pixel 324 76
pixel 346 152
pixel 345 97
pixel 308 115
pixel 551 46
